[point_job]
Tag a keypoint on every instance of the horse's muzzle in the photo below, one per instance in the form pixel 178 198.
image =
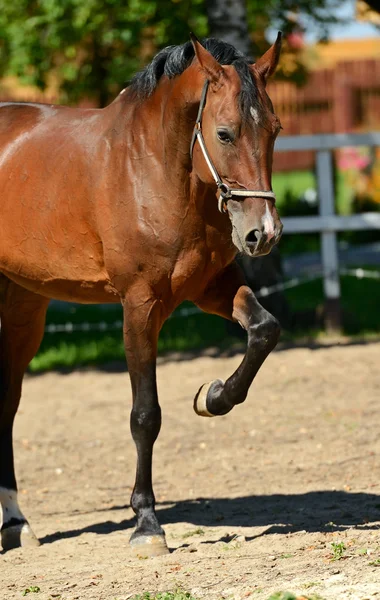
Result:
pixel 258 242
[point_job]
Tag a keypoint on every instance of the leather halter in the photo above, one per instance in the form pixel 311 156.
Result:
pixel 226 192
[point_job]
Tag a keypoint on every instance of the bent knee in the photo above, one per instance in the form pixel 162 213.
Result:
pixel 267 331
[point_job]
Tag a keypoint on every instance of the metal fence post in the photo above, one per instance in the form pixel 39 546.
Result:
pixel 330 259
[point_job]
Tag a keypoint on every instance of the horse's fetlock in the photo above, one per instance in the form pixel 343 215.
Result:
pixel 142 503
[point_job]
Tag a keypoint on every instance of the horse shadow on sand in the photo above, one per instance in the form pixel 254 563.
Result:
pixel 320 511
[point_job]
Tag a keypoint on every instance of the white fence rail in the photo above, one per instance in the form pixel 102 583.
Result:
pixel 328 223
pixel 183 313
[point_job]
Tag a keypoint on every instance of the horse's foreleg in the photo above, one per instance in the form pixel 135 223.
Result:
pixel 227 297
pixel 142 322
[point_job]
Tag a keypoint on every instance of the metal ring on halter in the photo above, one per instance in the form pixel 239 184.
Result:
pixel 225 190
pixel 225 194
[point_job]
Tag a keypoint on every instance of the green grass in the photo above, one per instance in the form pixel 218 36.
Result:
pixel 338 549
pixel 360 303
pixel 296 183
pixel 361 315
pixel 66 350
pixel 33 589
pixel 192 532
pixel 289 187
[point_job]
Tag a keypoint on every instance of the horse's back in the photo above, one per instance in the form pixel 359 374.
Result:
pixel 48 237
pixel 26 113
pixel 17 123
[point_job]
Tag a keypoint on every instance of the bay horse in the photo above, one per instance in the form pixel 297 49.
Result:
pixel 145 202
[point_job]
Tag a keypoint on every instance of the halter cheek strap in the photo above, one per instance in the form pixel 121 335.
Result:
pixel 226 192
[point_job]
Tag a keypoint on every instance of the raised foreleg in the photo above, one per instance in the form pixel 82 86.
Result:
pixel 228 297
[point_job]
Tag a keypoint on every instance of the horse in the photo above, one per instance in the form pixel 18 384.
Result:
pixel 145 202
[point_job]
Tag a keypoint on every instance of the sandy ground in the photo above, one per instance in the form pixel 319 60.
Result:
pixel 251 502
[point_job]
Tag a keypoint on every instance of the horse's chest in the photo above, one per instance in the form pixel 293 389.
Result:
pixel 194 269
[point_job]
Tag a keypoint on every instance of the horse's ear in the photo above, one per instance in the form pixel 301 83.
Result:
pixel 267 64
pixel 213 70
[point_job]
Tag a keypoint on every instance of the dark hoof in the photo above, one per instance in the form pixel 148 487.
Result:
pixel 18 536
pixel 147 546
pixel 200 400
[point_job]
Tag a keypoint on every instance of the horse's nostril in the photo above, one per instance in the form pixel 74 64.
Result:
pixel 253 237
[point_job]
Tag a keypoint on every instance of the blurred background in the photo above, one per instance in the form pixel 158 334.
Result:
pixel 325 275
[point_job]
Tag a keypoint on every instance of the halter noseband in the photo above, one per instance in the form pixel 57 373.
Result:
pixel 226 192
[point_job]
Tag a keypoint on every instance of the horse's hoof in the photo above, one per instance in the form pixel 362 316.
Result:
pixel 147 546
pixel 200 400
pixel 17 536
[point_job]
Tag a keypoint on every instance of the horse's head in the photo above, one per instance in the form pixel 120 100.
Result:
pixel 233 145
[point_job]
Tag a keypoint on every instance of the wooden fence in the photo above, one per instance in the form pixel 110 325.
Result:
pixel 340 100
pixel 327 222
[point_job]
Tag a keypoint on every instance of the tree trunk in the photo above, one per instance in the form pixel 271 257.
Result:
pixel 227 21
pixel 99 70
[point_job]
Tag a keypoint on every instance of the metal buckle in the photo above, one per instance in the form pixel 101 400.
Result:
pixel 222 204
pixel 224 195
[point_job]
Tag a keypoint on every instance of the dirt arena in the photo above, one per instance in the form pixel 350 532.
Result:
pixel 281 494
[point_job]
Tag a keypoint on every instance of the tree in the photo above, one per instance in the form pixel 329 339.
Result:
pixel 89 48
pixel 92 48
pixel 228 21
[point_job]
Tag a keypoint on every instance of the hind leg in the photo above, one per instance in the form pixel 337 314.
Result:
pixel 22 327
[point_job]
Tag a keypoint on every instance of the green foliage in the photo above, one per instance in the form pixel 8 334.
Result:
pixel 198 531
pixel 338 549
pixel 282 596
pixel 92 48
pixel 33 589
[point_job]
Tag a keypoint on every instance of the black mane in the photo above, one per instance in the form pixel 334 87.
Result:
pixel 173 60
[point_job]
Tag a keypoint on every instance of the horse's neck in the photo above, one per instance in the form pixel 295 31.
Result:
pixel 159 130
pixel 159 133
pixel 179 112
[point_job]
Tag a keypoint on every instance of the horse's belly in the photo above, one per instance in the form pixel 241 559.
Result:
pixel 59 273
pixel 70 290
pixel 60 259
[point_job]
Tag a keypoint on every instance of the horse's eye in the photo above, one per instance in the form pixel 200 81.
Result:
pixel 225 136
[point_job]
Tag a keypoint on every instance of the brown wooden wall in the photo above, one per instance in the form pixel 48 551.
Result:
pixel 339 100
